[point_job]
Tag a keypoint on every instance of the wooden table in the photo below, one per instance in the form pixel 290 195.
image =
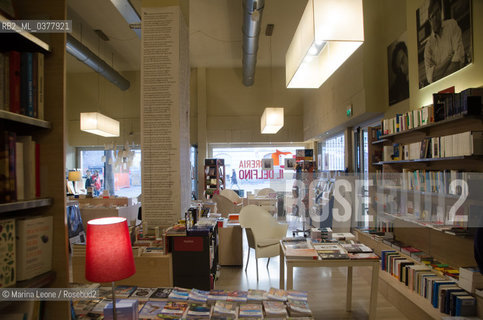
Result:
pixel 307 263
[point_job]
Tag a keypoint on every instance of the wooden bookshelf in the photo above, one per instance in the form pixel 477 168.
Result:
pixel 51 141
pixel 22 205
pixel 455 120
pixel 21 39
pixel 409 302
pixel 20 118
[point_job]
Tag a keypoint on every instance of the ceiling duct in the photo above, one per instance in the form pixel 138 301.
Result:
pixel 81 52
pixel 252 19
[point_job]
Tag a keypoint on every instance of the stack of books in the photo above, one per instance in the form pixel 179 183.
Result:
pixel 470 278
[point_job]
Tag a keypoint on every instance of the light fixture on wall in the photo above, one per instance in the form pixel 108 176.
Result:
pixel 272 118
pixel 97 123
pixel 328 33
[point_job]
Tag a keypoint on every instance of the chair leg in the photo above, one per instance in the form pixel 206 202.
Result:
pixel 256 262
pixel 268 261
pixel 248 259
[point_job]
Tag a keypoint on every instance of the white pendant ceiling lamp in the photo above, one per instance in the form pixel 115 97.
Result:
pixel 97 123
pixel 272 120
pixel 328 33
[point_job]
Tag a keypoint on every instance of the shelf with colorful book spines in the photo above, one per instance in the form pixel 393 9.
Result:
pixel 45 126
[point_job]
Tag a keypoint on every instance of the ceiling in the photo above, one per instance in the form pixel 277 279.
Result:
pixel 215 30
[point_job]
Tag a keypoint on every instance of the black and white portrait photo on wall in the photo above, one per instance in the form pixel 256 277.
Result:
pixel 398 70
pixel 444 35
pixel 267 164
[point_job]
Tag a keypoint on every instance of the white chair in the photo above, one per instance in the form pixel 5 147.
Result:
pixel 225 206
pixel 232 195
pixel 263 233
pixel 265 192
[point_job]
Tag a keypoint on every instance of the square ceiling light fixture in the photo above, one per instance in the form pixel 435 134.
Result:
pixel 328 33
pixel 97 123
pixel 272 120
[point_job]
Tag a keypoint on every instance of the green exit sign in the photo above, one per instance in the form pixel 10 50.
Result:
pixel 349 111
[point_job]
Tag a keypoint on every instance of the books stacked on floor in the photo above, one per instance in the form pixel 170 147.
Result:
pixel 470 279
pixel 177 303
pixel 430 281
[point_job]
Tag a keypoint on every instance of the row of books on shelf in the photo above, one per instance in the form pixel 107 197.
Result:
pixel 468 143
pixel 425 180
pixel 26 246
pixel 445 106
pixel 22 83
pixel 432 280
pixel 19 167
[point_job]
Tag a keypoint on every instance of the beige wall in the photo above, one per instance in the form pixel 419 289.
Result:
pixel 89 92
pixel 363 82
pixel 233 111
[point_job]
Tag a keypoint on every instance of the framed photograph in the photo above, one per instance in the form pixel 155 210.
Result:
pixel 397 70
pixel 444 35
pixel 267 164
pixel 289 163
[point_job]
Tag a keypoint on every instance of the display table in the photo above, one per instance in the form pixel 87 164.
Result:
pixel 230 245
pixel 308 263
pixel 150 271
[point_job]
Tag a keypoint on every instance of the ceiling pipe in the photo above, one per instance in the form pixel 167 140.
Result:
pixel 252 20
pixel 83 54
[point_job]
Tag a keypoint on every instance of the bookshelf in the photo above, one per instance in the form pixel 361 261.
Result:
pixel 50 134
pixel 214 176
pixel 418 213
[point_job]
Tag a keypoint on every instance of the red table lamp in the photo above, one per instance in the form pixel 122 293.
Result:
pixel 109 254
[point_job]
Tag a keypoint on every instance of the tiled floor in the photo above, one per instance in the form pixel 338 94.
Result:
pixel 326 287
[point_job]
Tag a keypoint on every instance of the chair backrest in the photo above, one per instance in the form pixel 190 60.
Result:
pixel 261 222
pixel 265 192
pixel 225 205
pixel 232 195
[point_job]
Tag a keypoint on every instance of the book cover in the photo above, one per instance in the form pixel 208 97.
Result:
pixel 198 295
pixel 124 291
pixel 275 309
pixel 277 294
pixel 29 166
pixel 198 311
pixel 298 309
pixel 256 295
pixel 217 295
pixel 34 247
pixel 237 296
pixel 152 309
pixel 250 310
pixel 223 309
pixel 161 294
pixel 297 295
pixel 7 252
pixel 142 294
pixel 179 294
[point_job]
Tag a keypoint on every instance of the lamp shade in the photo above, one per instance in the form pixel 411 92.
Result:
pixel 272 120
pixel 328 33
pixel 109 254
pixel 74 176
pixel 97 123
